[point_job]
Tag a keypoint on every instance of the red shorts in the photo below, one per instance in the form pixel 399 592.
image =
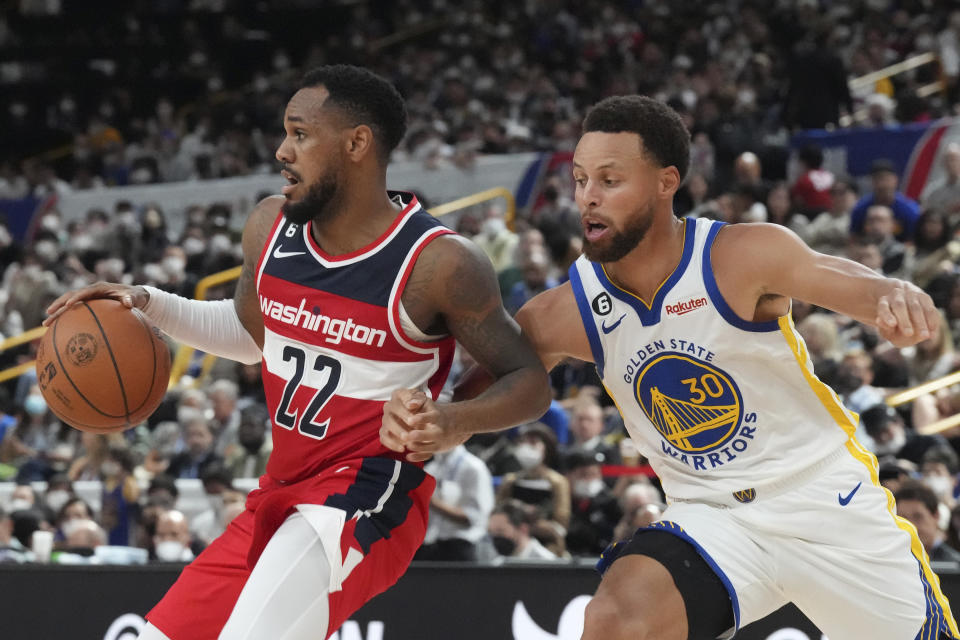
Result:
pixel 393 499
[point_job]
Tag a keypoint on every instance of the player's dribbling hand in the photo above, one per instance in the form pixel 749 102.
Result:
pixel 129 296
pixel 906 315
pixel 414 423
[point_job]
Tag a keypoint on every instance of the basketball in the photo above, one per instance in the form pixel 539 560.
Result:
pixel 102 367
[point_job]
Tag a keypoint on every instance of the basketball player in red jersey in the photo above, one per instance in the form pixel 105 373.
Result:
pixel 347 292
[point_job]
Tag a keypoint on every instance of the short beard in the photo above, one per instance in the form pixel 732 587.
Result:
pixel 619 244
pixel 316 205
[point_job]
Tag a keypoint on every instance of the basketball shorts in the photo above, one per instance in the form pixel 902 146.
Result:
pixel 831 545
pixel 380 508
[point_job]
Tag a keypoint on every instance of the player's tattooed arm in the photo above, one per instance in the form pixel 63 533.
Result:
pixel 462 291
pixel 256 233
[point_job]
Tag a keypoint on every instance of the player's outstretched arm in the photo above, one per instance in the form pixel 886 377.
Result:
pixel 228 328
pixel 775 261
pixel 463 289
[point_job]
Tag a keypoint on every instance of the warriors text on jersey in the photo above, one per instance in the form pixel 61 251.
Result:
pixel 337 341
pixel 718 405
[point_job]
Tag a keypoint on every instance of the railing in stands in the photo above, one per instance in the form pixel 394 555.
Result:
pixel 888 72
pixel 184 353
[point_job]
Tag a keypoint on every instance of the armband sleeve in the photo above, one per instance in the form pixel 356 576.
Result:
pixel 211 326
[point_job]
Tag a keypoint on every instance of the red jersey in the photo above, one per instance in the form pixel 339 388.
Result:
pixel 334 348
pixel 812 191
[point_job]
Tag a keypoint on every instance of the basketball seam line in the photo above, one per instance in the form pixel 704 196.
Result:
pixel 153 349
pixel 73 384
pixel 116 368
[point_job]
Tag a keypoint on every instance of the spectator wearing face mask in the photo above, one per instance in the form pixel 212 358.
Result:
pixel 59 492
pixel 496 240
pixel 179 280
pixel 73 509
pixel 892 438
pixel 939 468
pixel 918 503
pixel 538 483
pixel 459 508
pixel 595 510
pixel 171 540
pixel 22 498
pixel 510 532
pixel 31 436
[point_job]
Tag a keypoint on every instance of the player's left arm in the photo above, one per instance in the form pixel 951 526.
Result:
pixel 463 290
pixel 777 262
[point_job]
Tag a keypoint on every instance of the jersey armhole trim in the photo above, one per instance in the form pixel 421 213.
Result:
pixel 396 323
pixel 713 291
pixel 586 315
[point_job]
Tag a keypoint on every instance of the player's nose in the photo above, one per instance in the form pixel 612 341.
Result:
pixel 284 154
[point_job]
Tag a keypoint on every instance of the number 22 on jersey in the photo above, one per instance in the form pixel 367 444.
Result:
pixel 322 376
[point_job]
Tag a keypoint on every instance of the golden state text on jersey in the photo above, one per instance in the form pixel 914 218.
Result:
pixel 717 404
pixel 337 341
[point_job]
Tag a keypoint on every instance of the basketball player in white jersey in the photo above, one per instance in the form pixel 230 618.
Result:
pixel 771 498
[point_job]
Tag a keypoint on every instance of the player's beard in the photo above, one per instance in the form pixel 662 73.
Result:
pixel 617 244
pixel 316 205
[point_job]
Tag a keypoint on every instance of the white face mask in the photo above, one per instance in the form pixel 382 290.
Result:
pixel 940 485
pixel 216 502
pixel 57 498
pixel 493 226
pixel 528 456
pixel 587 488
pixel 892 446
pixel 20 504
pixel 170 551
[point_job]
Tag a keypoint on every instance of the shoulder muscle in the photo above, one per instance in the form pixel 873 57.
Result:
pixel 256 232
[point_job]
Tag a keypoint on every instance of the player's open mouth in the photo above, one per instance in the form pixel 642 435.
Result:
pixel 593 230
pixel 292 182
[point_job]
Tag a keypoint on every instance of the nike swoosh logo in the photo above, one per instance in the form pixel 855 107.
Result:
pixel 277 253
pixel 844 501
pixel 616 324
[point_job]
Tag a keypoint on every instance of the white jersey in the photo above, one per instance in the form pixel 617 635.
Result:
pixel 720 406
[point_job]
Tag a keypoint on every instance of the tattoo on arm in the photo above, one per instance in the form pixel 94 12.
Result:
pixel 477 319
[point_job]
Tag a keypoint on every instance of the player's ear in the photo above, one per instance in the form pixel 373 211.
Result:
pixel 359 142
pixel 669 182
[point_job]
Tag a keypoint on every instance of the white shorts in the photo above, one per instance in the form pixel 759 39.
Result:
pixel 855 569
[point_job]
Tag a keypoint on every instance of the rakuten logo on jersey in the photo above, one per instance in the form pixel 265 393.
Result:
pixel 335 330
pixel 686 306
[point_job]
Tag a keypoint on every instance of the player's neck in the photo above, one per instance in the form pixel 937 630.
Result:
pixel 653 260
pixel 365 214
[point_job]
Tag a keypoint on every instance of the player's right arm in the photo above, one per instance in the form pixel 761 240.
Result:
pixel 227 328
pixel 551 322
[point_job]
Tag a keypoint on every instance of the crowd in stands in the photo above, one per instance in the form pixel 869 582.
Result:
pixel 479 78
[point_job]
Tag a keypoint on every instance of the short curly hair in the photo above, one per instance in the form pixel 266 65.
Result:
pixel 365 98
pixel 665 137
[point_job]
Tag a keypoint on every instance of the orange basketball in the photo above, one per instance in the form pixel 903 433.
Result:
pixel 102 367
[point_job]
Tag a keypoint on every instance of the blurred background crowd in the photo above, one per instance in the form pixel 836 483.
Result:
pixel 178 90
